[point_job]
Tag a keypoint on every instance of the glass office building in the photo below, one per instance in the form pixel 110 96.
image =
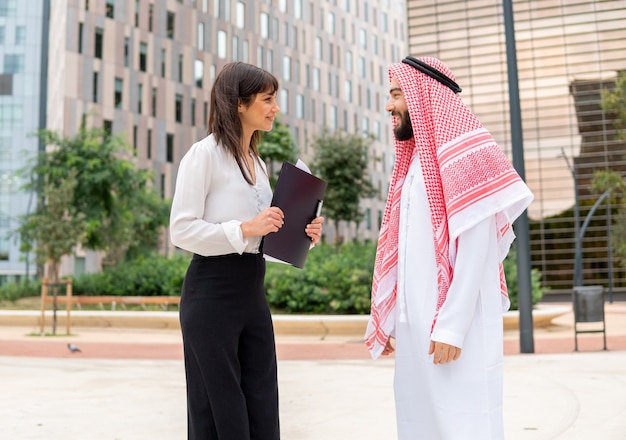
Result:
pixel 567 51
pixel 144 69
pixel 23 27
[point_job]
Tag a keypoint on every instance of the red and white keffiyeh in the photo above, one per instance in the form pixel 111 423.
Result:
pixel 467 176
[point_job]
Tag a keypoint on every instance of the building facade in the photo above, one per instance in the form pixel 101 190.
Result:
pixel 23 64
pixel 566 53
pixel 144 69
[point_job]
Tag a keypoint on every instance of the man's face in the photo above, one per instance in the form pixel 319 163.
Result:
pixel 396 105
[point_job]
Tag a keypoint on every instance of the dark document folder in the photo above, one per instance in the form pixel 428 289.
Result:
pixel 299 194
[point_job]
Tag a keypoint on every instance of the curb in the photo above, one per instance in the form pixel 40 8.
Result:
pixel 320 326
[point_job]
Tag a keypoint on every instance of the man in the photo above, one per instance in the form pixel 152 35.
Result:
pixel 438 286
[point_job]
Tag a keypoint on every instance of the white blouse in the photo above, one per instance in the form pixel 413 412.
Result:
pixel 212 199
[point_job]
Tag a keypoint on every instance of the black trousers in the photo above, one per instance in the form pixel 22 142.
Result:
pixel 230 354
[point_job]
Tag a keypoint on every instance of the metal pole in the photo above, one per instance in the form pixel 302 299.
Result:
pixel 609 250
pixel 523 242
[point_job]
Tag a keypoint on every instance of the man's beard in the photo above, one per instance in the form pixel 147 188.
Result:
pixel 403 130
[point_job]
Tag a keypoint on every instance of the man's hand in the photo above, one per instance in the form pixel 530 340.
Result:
pixel 443 353
pixel 389 348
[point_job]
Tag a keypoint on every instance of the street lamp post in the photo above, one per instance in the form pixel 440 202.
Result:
pixel 524 294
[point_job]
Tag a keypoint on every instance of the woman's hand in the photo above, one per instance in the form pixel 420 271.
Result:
pixel 314 229
pixel 269 220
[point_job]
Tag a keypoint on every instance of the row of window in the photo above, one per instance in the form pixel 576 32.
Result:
pixel 19 37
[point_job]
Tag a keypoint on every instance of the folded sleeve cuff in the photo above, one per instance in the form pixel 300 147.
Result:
pixel 232 230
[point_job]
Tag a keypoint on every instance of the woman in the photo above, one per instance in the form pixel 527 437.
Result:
pixel 221 212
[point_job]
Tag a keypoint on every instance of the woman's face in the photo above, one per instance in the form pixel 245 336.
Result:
pixel 260 114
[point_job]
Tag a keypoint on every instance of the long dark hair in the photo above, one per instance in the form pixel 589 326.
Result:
pixel 237 83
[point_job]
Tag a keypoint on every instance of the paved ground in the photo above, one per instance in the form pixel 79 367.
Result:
pixel 128 384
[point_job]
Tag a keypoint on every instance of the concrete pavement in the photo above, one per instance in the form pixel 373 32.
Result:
pixel 128 384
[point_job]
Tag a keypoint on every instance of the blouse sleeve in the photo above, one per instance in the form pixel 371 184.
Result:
pixel 188 229
pixel 457 311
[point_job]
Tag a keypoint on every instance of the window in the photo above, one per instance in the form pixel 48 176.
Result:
pixel 300 106
pixel 198 73
pixel 284 101
pixel 154 101
pixel 179 107
pixel 318 48
pixel 163 57
pixel 143 56
pixel 170 24
pixel 13 63
pixel 330 23
pixel 245 51
pixel 135 140
pixel 119 86
pixel 235 49
pixel 180 67
pixel 4 249
pixel 20 35
pixel 107 126
pixel 286 68
pixel 2 34
pixel 169 147
pixel 297 9
pixel 94 85
pixel 348 61
pixel 6 84
pixel 150 16
pixel 193 112
pixel 333 117
pixel 110 8
pixel 97 51
pixel 221 44
pixel 264 23
pixel 200 36
pixel 348 90
pixel 316 79
pixel 80 38
pixel 149 144
pixel 139 98
pixel 8 8
pixel 136 13
pixel 270 59
pixel 240 11
pixel 126 52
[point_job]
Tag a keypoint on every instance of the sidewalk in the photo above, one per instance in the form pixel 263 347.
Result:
pixel 128 384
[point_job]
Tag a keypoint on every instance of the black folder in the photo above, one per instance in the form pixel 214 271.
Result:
pixel 299 194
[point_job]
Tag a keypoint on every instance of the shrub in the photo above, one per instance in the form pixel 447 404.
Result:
pixel 331 282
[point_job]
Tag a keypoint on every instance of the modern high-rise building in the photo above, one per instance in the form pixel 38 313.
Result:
pixel 144 69
pixel 23 90
pixel 567 51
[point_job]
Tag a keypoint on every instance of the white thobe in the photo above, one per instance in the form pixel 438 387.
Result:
pixel 461 399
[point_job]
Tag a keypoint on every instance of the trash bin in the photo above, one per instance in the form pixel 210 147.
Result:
pixel 588 307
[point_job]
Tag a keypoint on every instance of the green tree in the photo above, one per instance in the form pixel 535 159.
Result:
pixel 277 146
pixel 615 182
pixel 122 213
pixel 614 102
pixel 341 159
pixel 56 226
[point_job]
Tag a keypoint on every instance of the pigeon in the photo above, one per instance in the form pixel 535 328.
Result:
pixel 73 348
